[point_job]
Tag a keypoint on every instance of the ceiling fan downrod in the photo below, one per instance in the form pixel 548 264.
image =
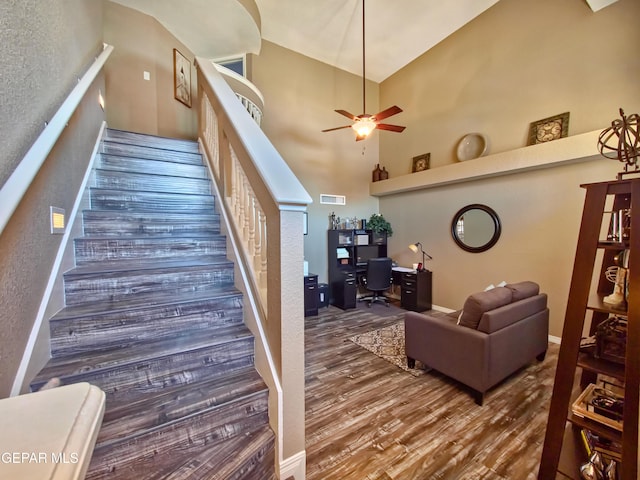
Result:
pixel 364 81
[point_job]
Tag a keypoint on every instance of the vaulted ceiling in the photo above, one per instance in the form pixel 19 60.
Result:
pixel 397 31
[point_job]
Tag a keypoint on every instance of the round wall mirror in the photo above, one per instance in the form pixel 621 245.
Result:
pixel 476 228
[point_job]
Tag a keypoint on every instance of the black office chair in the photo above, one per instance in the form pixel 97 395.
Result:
pixel 378 280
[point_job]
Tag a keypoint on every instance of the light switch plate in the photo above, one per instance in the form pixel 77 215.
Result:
pixel 146 75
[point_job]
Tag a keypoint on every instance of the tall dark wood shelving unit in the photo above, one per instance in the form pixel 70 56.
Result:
pixel 563 451
pixel 359 246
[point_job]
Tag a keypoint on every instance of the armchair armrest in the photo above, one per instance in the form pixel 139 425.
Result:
pixel 457 351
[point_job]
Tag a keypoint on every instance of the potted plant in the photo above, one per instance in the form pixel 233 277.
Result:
pixel 378 224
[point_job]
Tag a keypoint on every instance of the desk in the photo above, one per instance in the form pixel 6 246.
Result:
pixel 415 288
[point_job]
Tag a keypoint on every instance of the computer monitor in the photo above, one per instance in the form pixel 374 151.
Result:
pixel 365 252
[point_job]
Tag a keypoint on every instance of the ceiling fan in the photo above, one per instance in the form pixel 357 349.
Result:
pixel 365 123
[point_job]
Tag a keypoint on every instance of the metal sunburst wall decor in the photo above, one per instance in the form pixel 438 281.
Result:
pixel 621 141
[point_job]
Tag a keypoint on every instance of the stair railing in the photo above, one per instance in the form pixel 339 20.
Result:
pixel 247 93
pixel 263 203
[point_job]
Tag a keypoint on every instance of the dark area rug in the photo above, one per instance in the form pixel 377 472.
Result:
pixel 388 344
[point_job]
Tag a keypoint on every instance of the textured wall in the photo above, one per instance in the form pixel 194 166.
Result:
pixel 46 46
pixel 518 62
pixel 146 106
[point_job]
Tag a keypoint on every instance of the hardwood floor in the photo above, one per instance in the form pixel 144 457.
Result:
pixel 368 419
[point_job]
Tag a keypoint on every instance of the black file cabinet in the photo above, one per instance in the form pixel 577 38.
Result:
pixel 344 289
pixel 416 291
pixel 310 295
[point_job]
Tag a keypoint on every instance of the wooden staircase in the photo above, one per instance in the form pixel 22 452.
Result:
pixel 152 317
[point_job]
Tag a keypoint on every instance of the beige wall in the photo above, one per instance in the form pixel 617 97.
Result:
pixel 133 103
pixel 47 47
pixel 516 63
pixel 300 96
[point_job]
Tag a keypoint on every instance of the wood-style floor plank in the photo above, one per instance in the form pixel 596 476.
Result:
pixel 368 419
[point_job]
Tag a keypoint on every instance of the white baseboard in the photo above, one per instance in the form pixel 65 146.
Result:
pixel 442 309
pixel 554 339
pixel 294 466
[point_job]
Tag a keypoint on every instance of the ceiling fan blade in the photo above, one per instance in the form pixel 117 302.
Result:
pixel 347 114
pixel 387 113
pixel 336 128
pixel 392 128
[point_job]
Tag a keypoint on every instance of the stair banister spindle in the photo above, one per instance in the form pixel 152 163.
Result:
pixel 262 271
pixel 251 244
pixel 247 209
pixel 257 244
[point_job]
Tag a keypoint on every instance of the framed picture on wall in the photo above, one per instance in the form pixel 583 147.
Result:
pixel 421 162
pixel 181 78
pixel 549 129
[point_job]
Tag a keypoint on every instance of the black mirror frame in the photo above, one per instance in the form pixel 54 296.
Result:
pixel 497 228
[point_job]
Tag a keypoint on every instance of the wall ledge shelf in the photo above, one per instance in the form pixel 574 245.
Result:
pixel 573 149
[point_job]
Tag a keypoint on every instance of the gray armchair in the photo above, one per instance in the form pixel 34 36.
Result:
pixel 496 333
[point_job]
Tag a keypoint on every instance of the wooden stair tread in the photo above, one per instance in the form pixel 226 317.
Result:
pixel 110 306
pixel 152 214
pixel 151 152
pixel 118 356
pixel 147 264
pixel 192 201
pixel 165 166
pixel 168 143
pixel 157 452
pixel 227 463
pixel 113 179
pixel 125 417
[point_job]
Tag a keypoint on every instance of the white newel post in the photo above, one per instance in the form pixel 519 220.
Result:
pixel 291 303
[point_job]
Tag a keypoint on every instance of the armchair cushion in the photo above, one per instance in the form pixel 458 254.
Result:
pixel 479 303
pixel 522 290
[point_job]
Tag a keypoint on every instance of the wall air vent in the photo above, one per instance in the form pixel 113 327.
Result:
pixel 327 199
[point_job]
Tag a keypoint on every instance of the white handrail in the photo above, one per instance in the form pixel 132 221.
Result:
pixel 18 183
pixel 284 187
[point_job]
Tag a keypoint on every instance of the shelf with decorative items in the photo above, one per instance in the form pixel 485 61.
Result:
pixel 605 410
pixel 573 149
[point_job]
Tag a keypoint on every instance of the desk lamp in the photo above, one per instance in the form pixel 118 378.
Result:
pixel 414 248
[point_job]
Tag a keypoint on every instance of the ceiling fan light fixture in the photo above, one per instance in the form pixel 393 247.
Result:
pixel 364 126
pixel 365 123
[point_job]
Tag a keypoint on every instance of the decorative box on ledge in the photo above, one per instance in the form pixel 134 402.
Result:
pixel 50 434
